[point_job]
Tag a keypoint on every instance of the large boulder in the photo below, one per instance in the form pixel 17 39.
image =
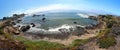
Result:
pixel 93 17
pixel 25 28
pixel 11 30
pixel 63 30
pixel 18 21
pixel 43 19
pixel 33 25
pixel 79 31
pixel 13 23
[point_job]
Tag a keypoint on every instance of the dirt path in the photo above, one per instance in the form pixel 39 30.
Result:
pixel 70 39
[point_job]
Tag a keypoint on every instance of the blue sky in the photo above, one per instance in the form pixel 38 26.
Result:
pixel 8 7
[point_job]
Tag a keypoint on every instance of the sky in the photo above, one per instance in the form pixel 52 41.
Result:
pixel 9 7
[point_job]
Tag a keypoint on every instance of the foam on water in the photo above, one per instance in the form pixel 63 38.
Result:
pixel 83 15
pixel 61 27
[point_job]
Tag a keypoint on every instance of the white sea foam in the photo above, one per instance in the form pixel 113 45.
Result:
pixel 83 15
pixel 53 30
pixel 56 30
pixel 33 29
pixel 61 27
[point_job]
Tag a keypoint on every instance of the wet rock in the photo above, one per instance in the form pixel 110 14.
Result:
pixel 34 15
pixel 33 25
pixel 18 25
pixel 63 30
pixel 75 22
pixel 25 28
pixel 13 23
pixel 93 17
pixel 71 29
pixel 18 21
pixel 43 19
pixel 89 27
pixel 79 31
pixel 16 33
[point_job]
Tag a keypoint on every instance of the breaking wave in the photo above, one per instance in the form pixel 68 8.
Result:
pixel 83 15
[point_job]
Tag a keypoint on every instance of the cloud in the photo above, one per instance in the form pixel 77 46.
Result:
pixel 43 8
pixel 54 7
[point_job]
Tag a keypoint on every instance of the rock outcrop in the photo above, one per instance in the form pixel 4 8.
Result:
pixel 25 28
pixel 11 30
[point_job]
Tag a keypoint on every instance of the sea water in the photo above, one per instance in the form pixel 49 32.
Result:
pixel 54 20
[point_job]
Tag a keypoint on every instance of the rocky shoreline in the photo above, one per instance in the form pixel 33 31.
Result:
pixel 103 29
pixel 62 34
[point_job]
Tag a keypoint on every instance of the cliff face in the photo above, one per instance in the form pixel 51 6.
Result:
pixel 7 31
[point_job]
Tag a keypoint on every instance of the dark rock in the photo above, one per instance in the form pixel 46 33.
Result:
pixel 63 30
pixel 18 21
pixel 7 23
pixel 89 27
pixel 93 17
pixel 79 31
pixel 13 23
pixel 43 19
pixel 34 15
pixel 102 16
pixel 75 22
pixel 15 15
pixel 16 33
pixel 4 18
pixel 18 25
pixel 25 28
pixel 33 25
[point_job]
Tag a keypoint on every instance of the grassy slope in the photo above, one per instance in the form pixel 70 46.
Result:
pixel 45 45
pixel 40 45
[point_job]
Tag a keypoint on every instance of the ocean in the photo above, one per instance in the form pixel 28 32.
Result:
pixel 55 21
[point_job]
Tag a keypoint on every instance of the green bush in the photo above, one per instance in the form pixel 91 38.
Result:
pixel 109 17
pixel 106 42
pixel 1 31
pixel 110 23
pixel 103 33
pixel 78 42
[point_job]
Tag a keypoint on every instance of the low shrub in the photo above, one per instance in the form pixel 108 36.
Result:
pixel 78 42
pixel 106 42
